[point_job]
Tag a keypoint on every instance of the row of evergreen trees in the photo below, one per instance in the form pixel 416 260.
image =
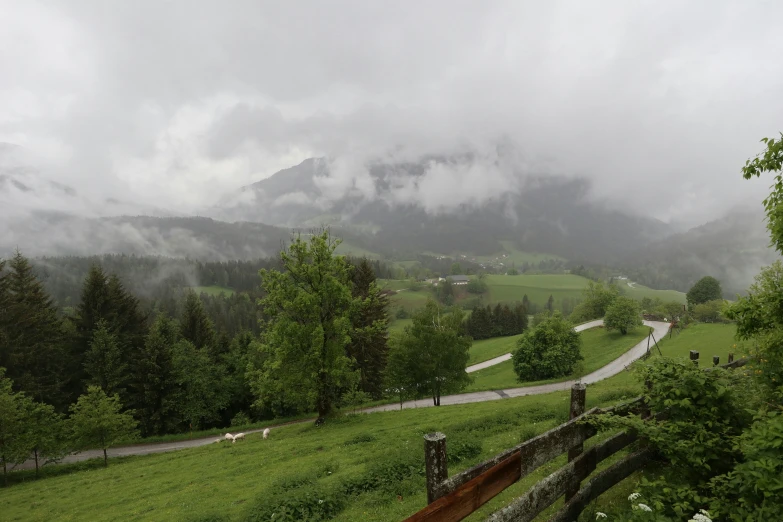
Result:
pixel 172 372
pixel 502 320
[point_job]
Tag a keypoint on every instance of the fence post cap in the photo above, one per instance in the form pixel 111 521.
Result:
pixel 578 386
pixel 434 437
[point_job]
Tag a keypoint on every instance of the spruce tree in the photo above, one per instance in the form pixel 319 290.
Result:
pixel 33 336
pixel 104 362
pixel 369 333
pixel 550 304
pixel 196 326
pixel 5 299
pixel 154 389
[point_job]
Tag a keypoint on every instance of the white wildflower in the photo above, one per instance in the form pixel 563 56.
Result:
pixel 634 496
pixel 320 501
pixel 643 507
pixel 598 515
pixel 701 516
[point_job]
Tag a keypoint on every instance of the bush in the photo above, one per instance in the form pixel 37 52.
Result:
pixel 401 313
pixel 622 315
pixel 551 350
pixel 709 312
pixel 241 419
pixel 305 503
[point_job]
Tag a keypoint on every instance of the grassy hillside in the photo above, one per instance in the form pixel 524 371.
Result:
pixel 599 348
pixel 213 290
pixel 638 291
pixel 486 349
pixel 373 462
pixel 538 288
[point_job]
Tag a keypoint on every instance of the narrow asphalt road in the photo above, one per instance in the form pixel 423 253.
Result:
pixel 507 356
pixel 613 368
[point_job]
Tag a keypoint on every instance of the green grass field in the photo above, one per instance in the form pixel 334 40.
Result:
pixel 637 291
pixel 348 458
pixel 213 290
pixel 538 288
pixel 486 349
pixel 348 249
pixel 395 284
pixel 599 348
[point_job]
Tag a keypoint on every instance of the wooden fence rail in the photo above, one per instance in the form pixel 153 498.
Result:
pixel 451 499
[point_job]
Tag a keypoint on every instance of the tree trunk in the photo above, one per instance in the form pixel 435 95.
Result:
pixel 105 459
pixel 35 452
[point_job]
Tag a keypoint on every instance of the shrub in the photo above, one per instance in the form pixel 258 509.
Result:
pixel 302 504
pixel 551 350
pixel 241 419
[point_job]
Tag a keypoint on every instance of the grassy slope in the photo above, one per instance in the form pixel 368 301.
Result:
pixel 348 249
pixel 638 292
pixel 227 480
pixel 538 288
pixel 486 349
pixel 213 290
pixel 599 348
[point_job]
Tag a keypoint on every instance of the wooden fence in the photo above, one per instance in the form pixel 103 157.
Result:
pixel 451 499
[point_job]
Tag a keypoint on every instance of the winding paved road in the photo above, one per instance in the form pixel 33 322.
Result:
pixel 613 368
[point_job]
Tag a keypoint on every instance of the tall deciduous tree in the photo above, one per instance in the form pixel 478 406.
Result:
pixel 309 305
pixel 437 352
pixel 33 335
pixel 706 289
pixel 369 329
pixel 104 363
pixel 551 349
pixel 596 298
pixel 97 420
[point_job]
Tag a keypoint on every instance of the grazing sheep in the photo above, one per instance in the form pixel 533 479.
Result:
pixel 228 436
pixel 266 433
pixel 239 436
pixel 218 441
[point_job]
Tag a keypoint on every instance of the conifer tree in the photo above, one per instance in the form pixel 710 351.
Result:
pixel 550 304
pixel 368 346
pixel 33 335
pixel 104 362
pixel 154 389
pixel 196 326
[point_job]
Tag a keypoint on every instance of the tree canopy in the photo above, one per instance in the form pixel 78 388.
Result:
pixel 706 289
pixel 623 315
pixel 309 305
pixel 431 354
pixel 549 350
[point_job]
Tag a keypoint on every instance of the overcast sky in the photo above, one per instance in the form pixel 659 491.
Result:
pixel 177 102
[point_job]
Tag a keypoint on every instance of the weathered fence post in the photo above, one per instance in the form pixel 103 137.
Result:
pixel 731 357
pixel 715 360
pixel 695 357
pixel 435 463
pixel 578 400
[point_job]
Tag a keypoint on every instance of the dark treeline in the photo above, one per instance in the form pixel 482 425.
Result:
pixel 167 361
pixel 502 320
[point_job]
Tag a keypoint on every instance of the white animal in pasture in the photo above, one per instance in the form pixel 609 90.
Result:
pixel 228 436
pixel 239 436
pixel 266 433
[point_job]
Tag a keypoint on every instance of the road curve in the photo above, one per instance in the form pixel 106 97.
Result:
pixel 507 356
pixel 613 368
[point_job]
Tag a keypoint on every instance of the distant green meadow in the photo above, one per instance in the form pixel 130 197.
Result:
pixel 213 290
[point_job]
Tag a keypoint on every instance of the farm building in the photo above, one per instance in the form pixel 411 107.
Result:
pixel 459 279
